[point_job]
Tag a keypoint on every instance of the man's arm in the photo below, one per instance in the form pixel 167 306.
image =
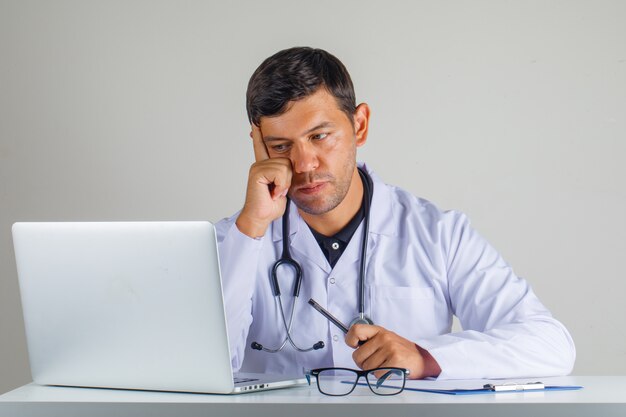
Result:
pixel 269 180
pixel 240 239
pixel 239 258
pixel 507 331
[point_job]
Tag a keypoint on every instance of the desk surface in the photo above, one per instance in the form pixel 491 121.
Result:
pixel 602 396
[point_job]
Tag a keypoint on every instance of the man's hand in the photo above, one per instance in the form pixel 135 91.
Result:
pixel 385 348
pixel 268 182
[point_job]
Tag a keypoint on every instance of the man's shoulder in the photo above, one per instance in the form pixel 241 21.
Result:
pixel 399 195
pixel 409 212
pixel 408 203
pixel 407 198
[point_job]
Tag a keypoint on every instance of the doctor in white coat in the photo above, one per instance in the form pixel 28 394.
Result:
pixel 422 266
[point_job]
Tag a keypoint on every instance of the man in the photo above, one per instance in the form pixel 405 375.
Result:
pixel 422 265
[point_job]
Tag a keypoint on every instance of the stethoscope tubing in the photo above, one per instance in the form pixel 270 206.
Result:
pixel 366 227
pixel 286 259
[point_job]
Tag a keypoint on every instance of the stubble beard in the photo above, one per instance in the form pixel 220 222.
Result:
pixel 325 203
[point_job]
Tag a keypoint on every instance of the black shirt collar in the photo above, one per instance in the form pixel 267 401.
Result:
pixel 334 246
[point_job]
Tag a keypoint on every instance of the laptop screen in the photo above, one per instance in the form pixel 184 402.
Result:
pixel 124 305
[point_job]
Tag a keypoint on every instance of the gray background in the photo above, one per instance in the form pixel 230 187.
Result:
pixel 513 112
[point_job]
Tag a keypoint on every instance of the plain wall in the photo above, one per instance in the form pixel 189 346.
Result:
pixel 513 112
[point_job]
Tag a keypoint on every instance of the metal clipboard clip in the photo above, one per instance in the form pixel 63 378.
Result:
pixel 528 386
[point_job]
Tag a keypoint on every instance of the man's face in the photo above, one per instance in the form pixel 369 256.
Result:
pixel 320 141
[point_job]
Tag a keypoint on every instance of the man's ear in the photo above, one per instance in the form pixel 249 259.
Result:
pixel 361 119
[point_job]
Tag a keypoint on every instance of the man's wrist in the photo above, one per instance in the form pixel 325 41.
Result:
pixel 250 227
pixel 431 366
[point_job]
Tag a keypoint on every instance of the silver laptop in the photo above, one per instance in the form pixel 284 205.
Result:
pixel 134 305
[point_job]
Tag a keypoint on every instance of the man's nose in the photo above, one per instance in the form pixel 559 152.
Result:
pixel 304 158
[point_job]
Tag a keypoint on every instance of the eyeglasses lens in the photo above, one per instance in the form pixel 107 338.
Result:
pixel 336 381
pixel 384 381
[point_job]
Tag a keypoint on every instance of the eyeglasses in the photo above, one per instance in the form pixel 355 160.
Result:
pixel 342 381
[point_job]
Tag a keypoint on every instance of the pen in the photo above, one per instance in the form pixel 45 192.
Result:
pixel 329 316
pixel 516 387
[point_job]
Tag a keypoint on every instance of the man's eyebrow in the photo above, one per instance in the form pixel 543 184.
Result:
pixel 322 125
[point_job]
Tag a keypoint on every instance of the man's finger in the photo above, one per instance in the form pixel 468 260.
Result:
pixel 370 355
pixel 360 333
pixel 260 151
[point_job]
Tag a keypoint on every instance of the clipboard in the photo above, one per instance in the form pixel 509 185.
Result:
pixel 488 388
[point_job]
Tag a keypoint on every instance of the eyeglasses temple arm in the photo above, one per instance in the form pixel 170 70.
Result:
pixel 383 378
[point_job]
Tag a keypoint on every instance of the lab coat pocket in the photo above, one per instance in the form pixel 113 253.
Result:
pixel 407 311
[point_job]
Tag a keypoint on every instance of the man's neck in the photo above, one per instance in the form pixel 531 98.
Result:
pixel 332 222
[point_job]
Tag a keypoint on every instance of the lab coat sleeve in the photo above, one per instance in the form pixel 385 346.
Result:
pixel 507 332
pixel 239 257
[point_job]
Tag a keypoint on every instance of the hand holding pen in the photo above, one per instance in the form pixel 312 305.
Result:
pixel 384 348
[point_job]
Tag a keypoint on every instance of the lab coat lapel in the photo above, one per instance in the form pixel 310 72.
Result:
pixel 382 222
pixel 304 244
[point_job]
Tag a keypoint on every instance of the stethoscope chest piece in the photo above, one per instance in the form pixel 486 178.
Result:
pixel 361 320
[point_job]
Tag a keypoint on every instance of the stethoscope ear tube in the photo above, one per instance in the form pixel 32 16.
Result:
pixel 274 279
pixel 298 273
pixel 298 283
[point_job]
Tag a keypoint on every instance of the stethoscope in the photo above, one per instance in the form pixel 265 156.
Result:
pixel 287 260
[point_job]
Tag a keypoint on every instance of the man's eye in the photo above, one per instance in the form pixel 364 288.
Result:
pixel 280 148
pixel 319 136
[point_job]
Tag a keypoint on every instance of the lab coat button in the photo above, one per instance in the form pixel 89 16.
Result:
pixel 332 280
pixel 335 338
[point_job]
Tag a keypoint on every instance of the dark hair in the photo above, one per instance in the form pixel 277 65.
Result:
pixel 293 74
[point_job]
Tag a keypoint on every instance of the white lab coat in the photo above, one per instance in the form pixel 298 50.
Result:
pixel 424 266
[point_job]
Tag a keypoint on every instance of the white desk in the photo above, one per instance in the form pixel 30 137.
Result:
pixel 601 396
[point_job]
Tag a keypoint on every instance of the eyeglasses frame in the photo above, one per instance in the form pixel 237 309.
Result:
pixel 360 373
